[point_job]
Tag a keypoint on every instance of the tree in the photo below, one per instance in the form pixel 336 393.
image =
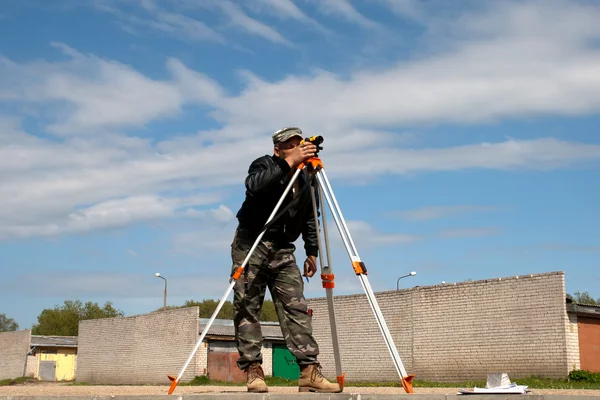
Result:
pixel 268 311
pixel 64 320
pixel 584 298
pixel 7 324
pixel 208 306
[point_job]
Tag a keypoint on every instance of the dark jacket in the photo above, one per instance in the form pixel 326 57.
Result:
pixel 268 176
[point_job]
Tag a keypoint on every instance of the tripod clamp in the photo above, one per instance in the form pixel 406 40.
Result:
pixel 314 165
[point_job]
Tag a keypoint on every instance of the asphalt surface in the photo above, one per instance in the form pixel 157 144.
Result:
pixel 45 390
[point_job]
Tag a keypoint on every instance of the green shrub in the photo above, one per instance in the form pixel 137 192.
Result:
pixel 580 375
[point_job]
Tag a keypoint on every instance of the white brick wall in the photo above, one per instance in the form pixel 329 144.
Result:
pixel 33 364
pixel 573 343
pixel 267 353
pixel 453 332
pixel 14 347
pixel 201 358
pixel 139 349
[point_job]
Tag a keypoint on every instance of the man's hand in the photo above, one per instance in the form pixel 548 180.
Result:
pixel 310 266
pixel 300 153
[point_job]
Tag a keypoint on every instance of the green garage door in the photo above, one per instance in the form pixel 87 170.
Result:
pixel 284 363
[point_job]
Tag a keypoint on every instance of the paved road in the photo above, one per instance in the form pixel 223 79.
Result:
pixel 43 389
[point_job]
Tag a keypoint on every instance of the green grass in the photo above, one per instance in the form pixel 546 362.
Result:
pixel 575 380
pixel 269 380
pixel 531 382
pixel 16 381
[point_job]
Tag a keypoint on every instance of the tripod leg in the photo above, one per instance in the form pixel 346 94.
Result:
pixel 235 276
pixel 327 277
pixel 361 271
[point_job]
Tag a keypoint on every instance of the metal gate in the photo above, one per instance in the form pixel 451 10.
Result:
pixel 284 363
pixel 48 370
pixel 589 343
pixel 222 366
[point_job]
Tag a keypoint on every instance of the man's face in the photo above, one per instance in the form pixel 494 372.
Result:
pixel 283 149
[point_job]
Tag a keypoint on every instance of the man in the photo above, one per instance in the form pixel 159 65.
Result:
pixel 273 263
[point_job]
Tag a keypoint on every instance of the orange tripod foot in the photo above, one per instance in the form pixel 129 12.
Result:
pixel 407 383
pixel 340 380
pixel 174 383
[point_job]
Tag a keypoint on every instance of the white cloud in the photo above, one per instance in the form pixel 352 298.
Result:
pixel 132 253
pixel 98 93
pixel 213 236
pixel 205 242
pixel 465 84
pixel 343 9
pixel 283 8
pixel 570 247
pixel 249 24
pixel 468 232
pixel 85 179
pixel 182 26
pixel 176 24
pixel 493 72
pixel 365 236
pixel 195 86
pixel 120 212
pixel 406 8
pixel 119 287
pixel 537 154
pixel 435 212
pixel 220 214
pixel 108 214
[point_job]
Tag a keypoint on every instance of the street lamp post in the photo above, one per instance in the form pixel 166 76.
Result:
pixel 413 273
pixel 158 275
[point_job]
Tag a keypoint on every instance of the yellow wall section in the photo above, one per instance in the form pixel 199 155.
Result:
pixel 65 363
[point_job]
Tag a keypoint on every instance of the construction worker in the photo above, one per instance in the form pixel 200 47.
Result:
pixel 273 263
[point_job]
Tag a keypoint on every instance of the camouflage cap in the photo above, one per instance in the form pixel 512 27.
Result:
pixel 286 133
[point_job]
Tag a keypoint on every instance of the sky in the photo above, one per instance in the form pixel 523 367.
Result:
pixel 459 140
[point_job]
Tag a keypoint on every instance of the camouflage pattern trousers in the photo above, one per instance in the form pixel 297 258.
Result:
pixel 273 266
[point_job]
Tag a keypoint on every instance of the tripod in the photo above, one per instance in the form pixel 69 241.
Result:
pixel 314 167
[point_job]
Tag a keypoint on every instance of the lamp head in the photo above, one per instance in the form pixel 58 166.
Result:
pixel 413 273
pixel 157 274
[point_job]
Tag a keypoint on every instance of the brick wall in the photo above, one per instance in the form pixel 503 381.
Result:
pixel 453 332
pixel 572 343
pixel 14 347
pixel 138 349
pixel 32 366
pixel 201 358
pixel 267 353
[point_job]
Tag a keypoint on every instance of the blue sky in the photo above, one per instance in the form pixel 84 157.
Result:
pixel 460 140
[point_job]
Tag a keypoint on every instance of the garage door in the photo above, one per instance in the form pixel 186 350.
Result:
pixel 284 363
pixel 48 370
pixel 589 343
pixel 222 366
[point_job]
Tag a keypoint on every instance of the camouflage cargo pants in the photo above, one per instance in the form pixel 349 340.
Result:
pixel 275 267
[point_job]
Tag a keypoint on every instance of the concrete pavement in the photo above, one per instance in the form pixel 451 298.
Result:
pixel 302 396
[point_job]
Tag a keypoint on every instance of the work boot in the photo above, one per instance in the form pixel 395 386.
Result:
pixel 256 379
pixel 312 380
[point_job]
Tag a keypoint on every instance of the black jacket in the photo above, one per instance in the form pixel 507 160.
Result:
pixel 268 176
